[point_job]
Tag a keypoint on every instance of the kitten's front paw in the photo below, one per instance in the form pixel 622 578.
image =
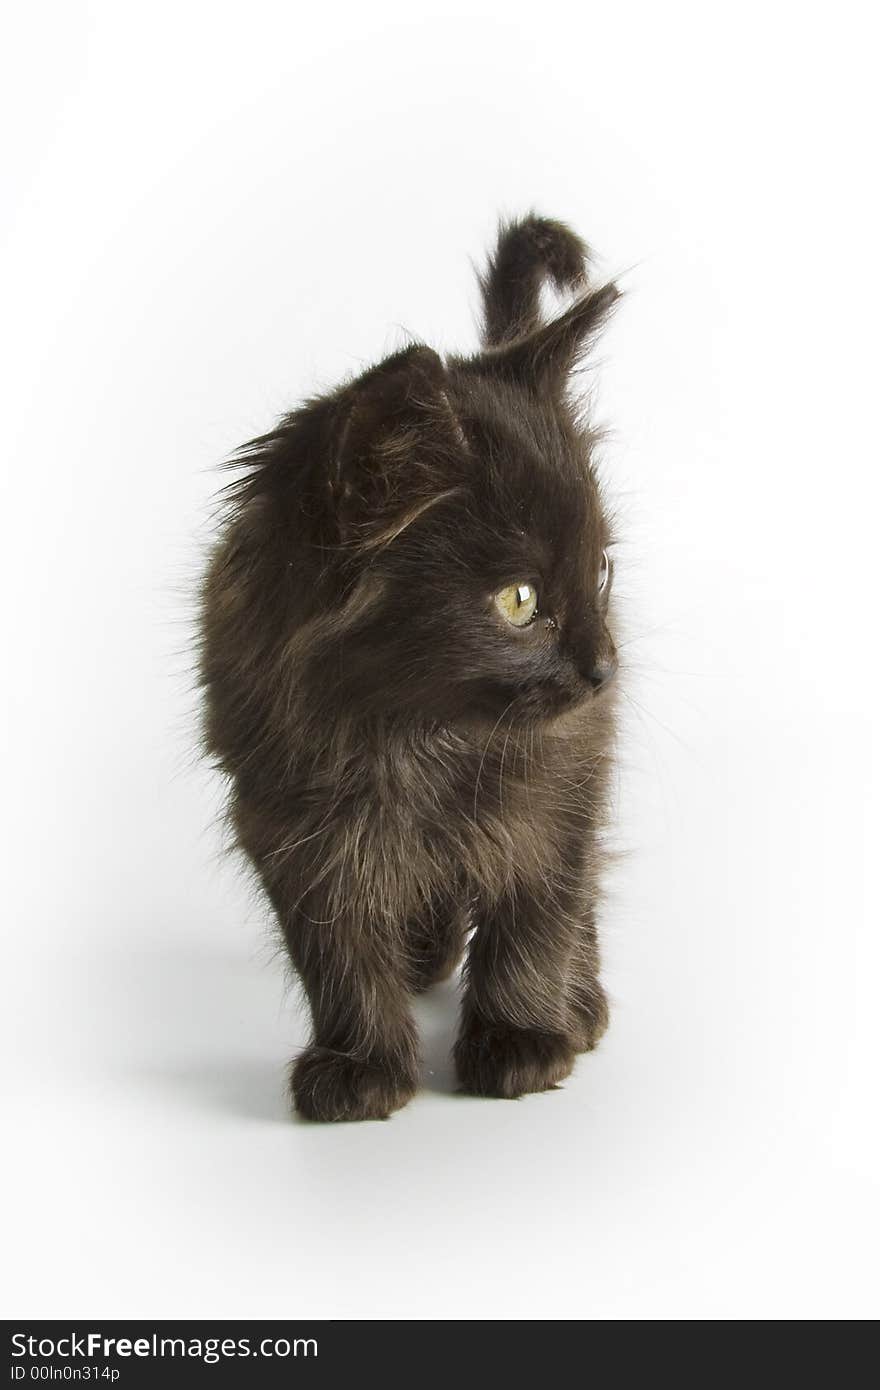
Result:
pixel 497 1060
pixel 328 1085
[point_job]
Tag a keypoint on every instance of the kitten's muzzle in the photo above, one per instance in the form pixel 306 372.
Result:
pixel 593 655
pixel 602 673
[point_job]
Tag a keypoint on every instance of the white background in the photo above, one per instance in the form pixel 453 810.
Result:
pixel 213 209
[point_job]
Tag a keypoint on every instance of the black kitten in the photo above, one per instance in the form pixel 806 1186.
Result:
pixel 406 658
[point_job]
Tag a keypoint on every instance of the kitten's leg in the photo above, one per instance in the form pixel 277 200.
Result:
pixel 362 1062
pixel 517 1032
pixel 435 942
pixel 589 1004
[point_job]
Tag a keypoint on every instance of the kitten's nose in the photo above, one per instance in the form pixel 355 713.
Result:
pixel 603 672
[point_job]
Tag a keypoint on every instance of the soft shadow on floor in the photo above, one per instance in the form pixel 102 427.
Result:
pixel 217 1029
pixel 209 1025
pixel 252 1089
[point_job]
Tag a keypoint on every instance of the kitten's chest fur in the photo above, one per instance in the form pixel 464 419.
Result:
pixel 389 821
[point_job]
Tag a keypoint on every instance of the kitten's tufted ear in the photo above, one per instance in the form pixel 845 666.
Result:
pixel 384 400
pixel 544 358
pixel 358 466
pixel 394 436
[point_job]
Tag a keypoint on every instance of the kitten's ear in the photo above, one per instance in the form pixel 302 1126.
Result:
pixel 392 431
pixel 383 401
pixel 360 463
pixel 544 358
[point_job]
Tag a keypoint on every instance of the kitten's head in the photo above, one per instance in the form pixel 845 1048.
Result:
pixel 445 541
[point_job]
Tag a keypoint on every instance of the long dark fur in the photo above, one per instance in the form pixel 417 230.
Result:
pixel 403 765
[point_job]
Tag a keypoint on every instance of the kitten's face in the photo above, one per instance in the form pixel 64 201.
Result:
pixel 493 603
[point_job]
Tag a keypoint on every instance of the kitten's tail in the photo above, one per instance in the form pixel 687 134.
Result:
pixel 528 252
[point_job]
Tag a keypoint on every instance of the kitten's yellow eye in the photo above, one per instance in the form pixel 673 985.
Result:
pixel 517 604
pixel 604 572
